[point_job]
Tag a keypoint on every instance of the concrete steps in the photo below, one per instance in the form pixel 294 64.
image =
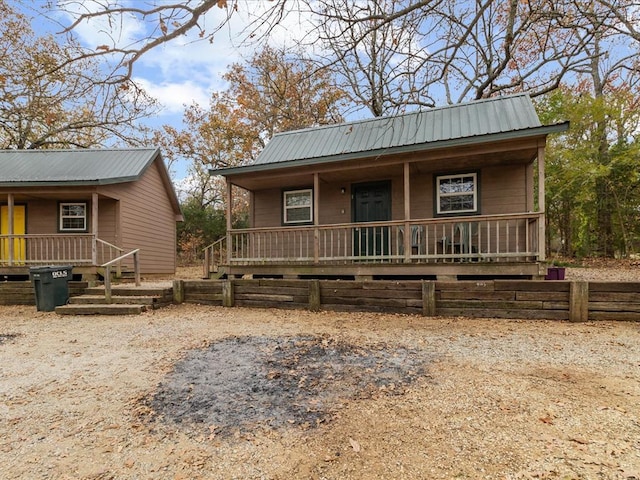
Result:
pixel 125 300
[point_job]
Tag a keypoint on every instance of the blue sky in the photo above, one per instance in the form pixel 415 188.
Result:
pixel 185 70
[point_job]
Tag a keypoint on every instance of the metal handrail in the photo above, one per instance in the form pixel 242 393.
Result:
pixel 107 274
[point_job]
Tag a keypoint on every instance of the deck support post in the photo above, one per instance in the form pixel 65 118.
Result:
pixel 314 296
pixel 227 293
pixel 578 301
pixel 428 298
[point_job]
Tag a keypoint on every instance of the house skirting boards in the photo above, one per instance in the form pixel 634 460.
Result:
pixel 527 299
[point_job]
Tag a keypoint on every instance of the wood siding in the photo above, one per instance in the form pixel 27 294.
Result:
pixel 503 189
pixel 147 221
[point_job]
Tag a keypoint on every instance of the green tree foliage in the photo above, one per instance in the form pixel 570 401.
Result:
pixel 593 194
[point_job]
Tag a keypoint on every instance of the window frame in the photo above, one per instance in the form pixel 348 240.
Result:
pixel 61 217
pixel 475 193
pixel 285 208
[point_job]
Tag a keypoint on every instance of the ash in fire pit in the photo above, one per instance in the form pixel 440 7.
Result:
pixel 241 382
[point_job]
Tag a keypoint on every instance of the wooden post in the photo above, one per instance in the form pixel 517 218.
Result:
pixel 94 231
pixel 407 212
pixel 316 219
pixel 542 255
pixel 227 293
pixel 428 298
pixel 10 204
pixel 578 301
pixel 229 210
pixel 314 296
pixel 178 291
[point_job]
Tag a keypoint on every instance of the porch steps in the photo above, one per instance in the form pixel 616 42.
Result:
pixel 124 301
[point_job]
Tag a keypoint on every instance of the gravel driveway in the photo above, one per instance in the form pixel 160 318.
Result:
pixel 115 398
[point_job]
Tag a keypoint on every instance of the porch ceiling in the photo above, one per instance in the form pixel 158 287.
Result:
pixel 381 168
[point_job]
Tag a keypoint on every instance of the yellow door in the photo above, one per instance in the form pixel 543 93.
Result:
pixel 19 228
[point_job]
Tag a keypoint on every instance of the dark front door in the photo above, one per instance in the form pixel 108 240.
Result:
pixel 371 203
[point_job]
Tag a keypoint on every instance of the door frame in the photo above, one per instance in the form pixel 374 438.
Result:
pixel 371 241
pixel 19 244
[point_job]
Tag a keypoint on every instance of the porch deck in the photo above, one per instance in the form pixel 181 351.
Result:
pixel 473 246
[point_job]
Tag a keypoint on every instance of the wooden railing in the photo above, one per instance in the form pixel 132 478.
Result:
pixel 214 256
pixel 116 261
pixel 477 238
pixel 74 249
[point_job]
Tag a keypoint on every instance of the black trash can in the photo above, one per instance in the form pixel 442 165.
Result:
pixel 51 285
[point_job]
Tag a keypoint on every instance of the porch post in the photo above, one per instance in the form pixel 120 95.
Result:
pixel 94 228
pixel 10 203
pixel 541 206
pixel 316 214
pixel 229 209
pixel 407 213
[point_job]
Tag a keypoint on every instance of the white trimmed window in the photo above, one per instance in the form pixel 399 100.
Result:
pixel 457 193
pixel 298 206
pixel 73 217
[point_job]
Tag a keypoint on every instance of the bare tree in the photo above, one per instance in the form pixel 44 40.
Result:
pixel 43 105
pixel 398 52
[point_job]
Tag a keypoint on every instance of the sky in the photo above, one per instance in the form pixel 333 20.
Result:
pixel 185 70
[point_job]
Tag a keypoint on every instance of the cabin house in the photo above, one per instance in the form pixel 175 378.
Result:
pixel 445 193
pixel 85 208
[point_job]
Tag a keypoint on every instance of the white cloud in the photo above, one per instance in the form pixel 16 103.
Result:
pixel 174 96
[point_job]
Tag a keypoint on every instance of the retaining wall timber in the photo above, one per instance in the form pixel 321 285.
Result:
pixel 22 293
pixel 527 299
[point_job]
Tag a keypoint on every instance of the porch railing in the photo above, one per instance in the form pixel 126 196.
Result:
pixel 477 238
pixel 75 249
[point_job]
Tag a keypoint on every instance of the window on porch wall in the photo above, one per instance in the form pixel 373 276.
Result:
pixel 73 217
pixel 457 194
pixel 298 207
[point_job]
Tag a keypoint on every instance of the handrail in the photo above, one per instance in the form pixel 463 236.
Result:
pixel 107 274
pixel 111 248
pixel 209 255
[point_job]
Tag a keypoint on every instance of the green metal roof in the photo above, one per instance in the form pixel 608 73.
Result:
pixel 73 167
pixel 492 119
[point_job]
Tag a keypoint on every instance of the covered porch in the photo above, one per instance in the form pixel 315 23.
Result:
pixel 39 210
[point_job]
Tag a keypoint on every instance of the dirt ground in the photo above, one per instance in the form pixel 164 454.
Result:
pixel 198 392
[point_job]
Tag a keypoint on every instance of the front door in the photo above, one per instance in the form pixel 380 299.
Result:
pixel 19 228
pixel 371 203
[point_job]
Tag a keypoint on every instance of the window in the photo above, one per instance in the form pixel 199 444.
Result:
pixel 298 206
pixel 457 193
pixel 73 217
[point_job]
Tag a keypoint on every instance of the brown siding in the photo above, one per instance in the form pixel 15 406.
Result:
pixel 107 220
pixel 503 190
pixel 147 221
pixel 267 208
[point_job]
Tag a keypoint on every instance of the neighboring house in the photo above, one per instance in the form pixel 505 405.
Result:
pixel 84 208
pixel 337 201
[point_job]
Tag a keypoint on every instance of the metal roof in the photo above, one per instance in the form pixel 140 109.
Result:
pixel 490 119
pixel 74 167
